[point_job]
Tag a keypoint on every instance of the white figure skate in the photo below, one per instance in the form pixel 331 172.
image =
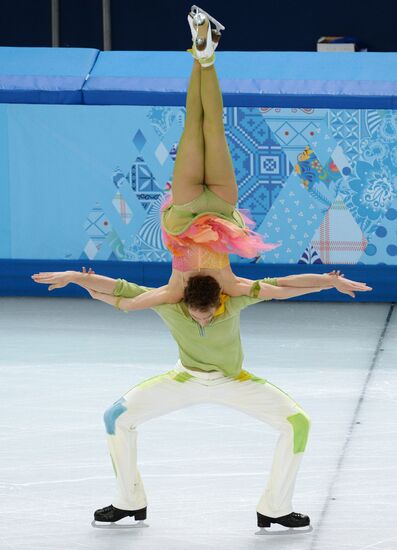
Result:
pixel 205 38
pixel 197 10
pixel 194 23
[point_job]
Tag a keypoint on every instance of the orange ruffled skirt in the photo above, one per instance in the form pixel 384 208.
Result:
pixel 205 239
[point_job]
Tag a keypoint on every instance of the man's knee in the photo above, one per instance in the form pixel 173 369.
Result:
pixel 301 426
pixel 112 414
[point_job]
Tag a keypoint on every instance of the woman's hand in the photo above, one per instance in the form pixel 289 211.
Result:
pixel 56 279
pixel 346 286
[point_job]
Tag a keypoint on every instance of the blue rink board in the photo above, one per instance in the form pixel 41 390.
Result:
pixel 15 277
pixel 366 82
pixel 44 75
pixel 285 79
pixel 272 79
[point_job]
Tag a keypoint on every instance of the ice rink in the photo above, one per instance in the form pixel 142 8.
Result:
pixel 64 361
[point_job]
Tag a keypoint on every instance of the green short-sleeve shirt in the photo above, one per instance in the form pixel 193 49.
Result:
pixel 216 346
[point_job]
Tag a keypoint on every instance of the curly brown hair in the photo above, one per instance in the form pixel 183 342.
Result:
pixel 202 292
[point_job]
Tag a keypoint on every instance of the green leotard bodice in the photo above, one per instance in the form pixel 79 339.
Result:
pixel 176 218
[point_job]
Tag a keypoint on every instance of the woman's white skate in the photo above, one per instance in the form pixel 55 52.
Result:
pixel 195 10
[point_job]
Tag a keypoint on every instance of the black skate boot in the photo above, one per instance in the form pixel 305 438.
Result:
pixel 110 514
pixel 290 520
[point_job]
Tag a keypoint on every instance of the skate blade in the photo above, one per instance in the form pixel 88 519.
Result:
pixel 212 19
pixel 288 531
pixel 136 525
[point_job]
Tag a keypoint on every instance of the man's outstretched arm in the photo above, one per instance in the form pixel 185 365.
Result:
pixel 144 300
pixel 271 292
pixel 326 280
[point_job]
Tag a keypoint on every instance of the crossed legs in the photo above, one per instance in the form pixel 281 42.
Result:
pixel 203 153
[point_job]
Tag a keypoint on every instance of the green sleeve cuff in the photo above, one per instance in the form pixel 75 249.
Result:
pixel 117 304
pixel 256 287
pixel 128 290
pixel 116 290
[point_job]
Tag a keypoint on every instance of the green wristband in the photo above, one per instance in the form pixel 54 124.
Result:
pixel 117 304
pixel 255 289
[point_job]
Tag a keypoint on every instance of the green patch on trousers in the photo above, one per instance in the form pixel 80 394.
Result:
pixel 245 375
pixel 301 426
pixel 181 376
pixel 170 375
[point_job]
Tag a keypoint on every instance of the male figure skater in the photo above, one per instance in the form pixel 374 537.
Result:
pixel 206 327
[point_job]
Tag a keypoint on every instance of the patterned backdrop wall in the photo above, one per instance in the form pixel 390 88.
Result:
pixel 86 182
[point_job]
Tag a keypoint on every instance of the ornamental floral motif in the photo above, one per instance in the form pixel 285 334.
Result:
pixel 373 150
pixel 378 192
pixel 393 155
pixel 369 195
pixel 388 127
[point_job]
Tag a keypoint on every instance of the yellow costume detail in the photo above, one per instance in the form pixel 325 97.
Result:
pixel 221 308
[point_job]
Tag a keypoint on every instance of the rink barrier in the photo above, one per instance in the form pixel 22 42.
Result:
pixel 298 79
pixel 83 76
pixel 15 277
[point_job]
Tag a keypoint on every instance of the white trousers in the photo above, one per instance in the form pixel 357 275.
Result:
pixel 180 388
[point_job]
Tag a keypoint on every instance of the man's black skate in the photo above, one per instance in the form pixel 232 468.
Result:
pixel 290 520
pixel 110 514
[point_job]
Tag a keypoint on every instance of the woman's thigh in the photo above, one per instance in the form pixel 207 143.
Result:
pixel 219 172
pixel 188 176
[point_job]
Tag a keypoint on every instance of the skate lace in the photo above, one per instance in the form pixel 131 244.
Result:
pixel 107 509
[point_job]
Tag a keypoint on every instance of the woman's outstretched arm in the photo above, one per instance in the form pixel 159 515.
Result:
pixel 271 292
pixel 334 278
pixel 100 286
pixel 310 280
pixel 327 280
pixel 59 279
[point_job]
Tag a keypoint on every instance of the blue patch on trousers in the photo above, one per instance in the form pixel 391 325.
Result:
pixel 112 414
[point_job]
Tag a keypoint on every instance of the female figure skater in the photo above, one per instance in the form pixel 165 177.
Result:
pixel 200 222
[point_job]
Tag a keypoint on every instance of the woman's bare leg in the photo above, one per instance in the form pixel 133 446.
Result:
pixel 219 172
pixel 188 176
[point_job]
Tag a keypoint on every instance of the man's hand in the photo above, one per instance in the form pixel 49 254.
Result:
pixel 56 279
pixel 346 286
pixel 89 272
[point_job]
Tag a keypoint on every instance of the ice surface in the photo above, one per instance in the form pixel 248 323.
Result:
pixel 64 361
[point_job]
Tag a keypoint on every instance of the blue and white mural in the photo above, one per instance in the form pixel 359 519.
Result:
pixel 86 182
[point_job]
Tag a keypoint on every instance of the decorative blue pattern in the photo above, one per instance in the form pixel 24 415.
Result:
pixel 382 245
pixel 370 192
pixel 260 165
pixel 293 167
pixel 345 129
pixel 291 221
pixel 310 256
